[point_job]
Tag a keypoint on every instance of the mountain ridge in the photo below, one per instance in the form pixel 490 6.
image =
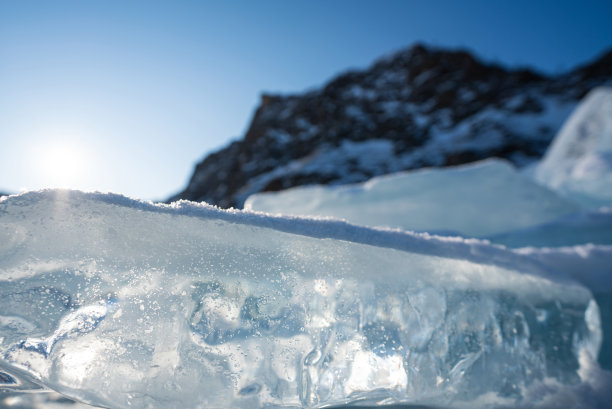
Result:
pixel 421 106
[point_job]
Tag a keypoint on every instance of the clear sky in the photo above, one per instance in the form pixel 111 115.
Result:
pixel 127 96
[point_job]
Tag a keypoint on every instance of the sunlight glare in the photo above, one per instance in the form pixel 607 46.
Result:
pixel 62 165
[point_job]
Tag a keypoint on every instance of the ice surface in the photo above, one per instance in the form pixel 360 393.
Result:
pixel 47 400
pixel 591 265
pixel 480 199
pixel 582 227
pixel 123 304
pixel 579 161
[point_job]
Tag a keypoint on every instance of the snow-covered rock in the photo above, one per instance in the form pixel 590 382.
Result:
pixel 420 107
pixel 121 303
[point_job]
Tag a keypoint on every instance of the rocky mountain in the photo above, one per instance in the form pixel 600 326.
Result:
pixel 420 107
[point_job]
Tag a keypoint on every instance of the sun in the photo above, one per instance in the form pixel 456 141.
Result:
pixel 62 165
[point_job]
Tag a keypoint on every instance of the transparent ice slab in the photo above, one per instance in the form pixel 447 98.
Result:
pixel 123 304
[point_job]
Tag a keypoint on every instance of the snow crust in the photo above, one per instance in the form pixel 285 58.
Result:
pixel 121 303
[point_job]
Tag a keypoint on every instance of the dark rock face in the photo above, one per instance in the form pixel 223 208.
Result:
pixel 419 107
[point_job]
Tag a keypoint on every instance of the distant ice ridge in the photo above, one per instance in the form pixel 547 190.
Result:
pixel 121 303
pixel 579 162
pixel 477 200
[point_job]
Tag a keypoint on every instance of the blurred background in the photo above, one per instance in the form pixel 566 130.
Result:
pixel 129 96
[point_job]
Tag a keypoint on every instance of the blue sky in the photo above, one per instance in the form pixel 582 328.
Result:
pixel 127 96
